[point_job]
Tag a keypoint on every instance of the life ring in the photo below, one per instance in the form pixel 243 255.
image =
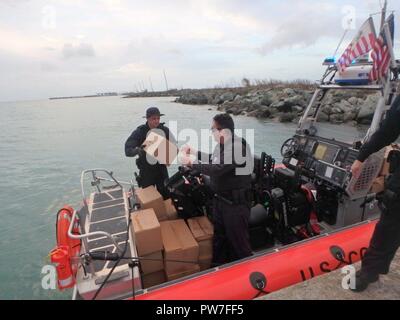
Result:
pixel 67 249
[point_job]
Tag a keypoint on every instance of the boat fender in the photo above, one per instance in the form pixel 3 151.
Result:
pixel 67 249
pixel 60 257
pixel 259 282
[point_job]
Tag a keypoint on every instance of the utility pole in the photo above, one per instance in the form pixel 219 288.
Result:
pixel 165 78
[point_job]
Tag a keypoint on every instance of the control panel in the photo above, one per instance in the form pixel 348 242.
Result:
pixel 325 159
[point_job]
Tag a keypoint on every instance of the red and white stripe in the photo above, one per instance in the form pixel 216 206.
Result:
pixel 381 57
pixel 361 44
pixel 355 50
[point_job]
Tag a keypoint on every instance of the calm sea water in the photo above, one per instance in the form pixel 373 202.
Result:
pixel 44 146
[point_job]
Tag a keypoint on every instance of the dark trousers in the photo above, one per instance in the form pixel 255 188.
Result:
pixel 384 242
pixel 154 176
pixel 231 236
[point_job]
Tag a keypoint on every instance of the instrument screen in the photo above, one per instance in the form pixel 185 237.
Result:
pixel 320 152
pixel 325 153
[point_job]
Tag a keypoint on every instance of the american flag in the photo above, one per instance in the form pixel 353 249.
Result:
pixel 381 54
pixel 360 45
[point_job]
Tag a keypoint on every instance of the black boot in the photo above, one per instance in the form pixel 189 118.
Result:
pixel 363 281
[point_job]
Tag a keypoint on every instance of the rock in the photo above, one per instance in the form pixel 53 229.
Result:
pixel 266 100
pixel 364 121
pixel 287 117
pixel 327 109
pixel 264 113
pixel 349 117
pixel 345 106
pixel 336 118
pixel 233 110
pixel 336 110
pixel 353 101
pixel 282 106
pixel 289 92
pixel 192 98
pixel 237 98
pixel 252 113
pixel 367 108
pixel 323 117
pixel 296 100
pixel 209 109
pixel 227 96
pixel 298 109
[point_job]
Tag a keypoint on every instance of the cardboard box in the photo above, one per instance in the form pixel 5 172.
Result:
pixel 378 185
pixel 179 244
pixel 153 279
pixel 147 232
pixel 158 148
pixel 386 165
pixel 205 263
pixel 170 210
pixel 203 232
pixel 150 198
pixel 193 269
pixel 151 266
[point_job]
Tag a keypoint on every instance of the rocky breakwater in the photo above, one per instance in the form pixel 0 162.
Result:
pixel 286 104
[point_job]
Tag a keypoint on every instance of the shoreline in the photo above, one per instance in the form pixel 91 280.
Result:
pixel 283 103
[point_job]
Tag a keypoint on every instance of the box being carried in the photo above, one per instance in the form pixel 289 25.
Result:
pixel 159 149
pixel 179 244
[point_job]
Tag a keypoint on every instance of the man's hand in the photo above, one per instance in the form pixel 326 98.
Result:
pixel 356 168
pixel 188 150
pixel 186 160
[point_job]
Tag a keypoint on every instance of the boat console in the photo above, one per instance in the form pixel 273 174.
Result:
pixel 325 160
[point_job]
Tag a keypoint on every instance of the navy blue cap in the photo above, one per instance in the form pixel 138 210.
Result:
pixel 153 111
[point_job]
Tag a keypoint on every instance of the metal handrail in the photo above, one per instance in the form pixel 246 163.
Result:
pixel 93 171
pixel 86 235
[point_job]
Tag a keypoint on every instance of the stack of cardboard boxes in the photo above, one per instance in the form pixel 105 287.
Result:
pixel 181 251
pixel 149 244
pixel 174 249
pixel 203 232
pixel 160 235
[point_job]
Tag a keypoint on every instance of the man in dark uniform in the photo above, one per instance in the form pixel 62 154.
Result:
pixel 149 174
pixel 386 238
pixel 229 168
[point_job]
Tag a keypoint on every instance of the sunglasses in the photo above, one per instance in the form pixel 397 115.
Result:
pixel 215 129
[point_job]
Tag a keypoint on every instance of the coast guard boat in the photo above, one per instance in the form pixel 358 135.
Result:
pixel 309 215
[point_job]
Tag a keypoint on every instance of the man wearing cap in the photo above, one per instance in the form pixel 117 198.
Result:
pixel 149 174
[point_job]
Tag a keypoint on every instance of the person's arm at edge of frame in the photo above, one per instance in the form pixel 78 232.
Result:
pixel 386 134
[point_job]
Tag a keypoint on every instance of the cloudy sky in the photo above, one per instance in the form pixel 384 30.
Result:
pixel 73 47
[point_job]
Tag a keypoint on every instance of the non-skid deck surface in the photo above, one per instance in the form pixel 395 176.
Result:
pixel 108 213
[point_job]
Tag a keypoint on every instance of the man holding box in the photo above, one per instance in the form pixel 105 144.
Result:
pixel 386 238
pixel 229 168
pixel 149 173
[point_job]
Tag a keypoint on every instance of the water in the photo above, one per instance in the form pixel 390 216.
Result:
pixel 44 146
